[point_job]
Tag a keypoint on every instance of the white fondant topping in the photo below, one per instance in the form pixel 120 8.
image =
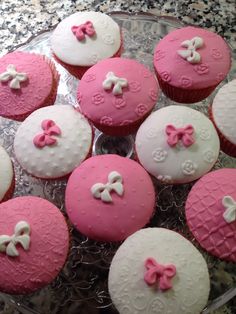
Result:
pixel 230 209
pixel 13 76
pixel 6 172
pixel 182 164
pixel 73 145
pixel 21 237
pixel 103 45
pixel 103 191
pixel 128 289
pixel 116 82
pixel 190 54
pixel 224 110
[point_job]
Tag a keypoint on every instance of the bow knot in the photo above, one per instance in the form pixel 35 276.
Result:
pixel 190 53
pixel 102 191
pixel 84 29
pixel 159 273
pixel 230 206
pixel 180 134
pixel 118 83
pixel 21 236
pixel 50 128
pixel 14 76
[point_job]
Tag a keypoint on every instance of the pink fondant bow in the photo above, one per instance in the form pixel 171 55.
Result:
pixel 84 29
pixel 177 134
pixel 50 128
pixel 159 273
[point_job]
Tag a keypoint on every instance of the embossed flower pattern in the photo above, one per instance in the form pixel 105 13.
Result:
pixel 153 94
pixel 159 54
pixel 126 122
pixel 188 167
pixel 119 102
pixel 185 81
pixel 98 99
pixel 220 76
pixel 134 86
pixel 159 155
pixel 106 121
pixel 201 69
pixel 79 96
pixel 165 76
pixel 204 134
pixel 89 77
pixel 93 58
pixel 165 178
pixel 209 156
pixel 141 109
pixel 151 133
pixel 108 39
pixel 216 54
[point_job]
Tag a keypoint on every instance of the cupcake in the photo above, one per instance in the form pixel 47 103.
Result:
pixel 190 62
pixel 7 180
pixel 117 94
pixel 32 252
pixel 84 38
pixel 177 144
pixel 28 82
pixel 211 213
pixel 53 141
pixel 105 200
pixel 158 271
pixel 223 113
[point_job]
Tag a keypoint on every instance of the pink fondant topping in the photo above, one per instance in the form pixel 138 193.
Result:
pixel 230 209
pixel 83 29
pixel 159 274
pixel 13 76
pixel 190 54
pixel 180 134
pixel 102 191
pixel 50 128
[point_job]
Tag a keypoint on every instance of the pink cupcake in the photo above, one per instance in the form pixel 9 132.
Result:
pixel 28 82
pixel 211 213
pixel 117 94
pixel 83 38
pixel 109 197
pixel 7 179
pixel 223 113
pixel 32 252
pixel 190 62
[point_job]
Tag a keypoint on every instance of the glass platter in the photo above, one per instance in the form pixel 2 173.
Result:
pixel 82 285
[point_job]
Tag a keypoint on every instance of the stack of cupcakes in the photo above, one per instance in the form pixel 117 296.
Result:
pixel 109 198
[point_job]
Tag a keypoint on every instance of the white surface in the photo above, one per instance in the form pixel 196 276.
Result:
pixel 6 172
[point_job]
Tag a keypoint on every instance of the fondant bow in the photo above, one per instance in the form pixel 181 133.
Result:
pixel 230 206
pixel 83 29
pixel 21 236
pixel 157 273
pixel 50 128
pixel 102 191
pixel 190 53
pixel 14 76
pixel 118 83
pixel 180 134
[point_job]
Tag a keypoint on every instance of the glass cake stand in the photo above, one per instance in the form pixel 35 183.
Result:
pixel 82 285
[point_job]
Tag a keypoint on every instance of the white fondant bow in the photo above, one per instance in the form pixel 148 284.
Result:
pixel 118 83
pixel 21 236
pixel 190 53
pixel 102 191
pixel 14 76
pixel 230 206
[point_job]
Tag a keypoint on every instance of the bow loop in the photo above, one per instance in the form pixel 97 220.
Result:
pixel 230 206
pixel 191 55
pixel 45 139
pixel 21 236
pixel 118 82
pixel 158 273
pixel 102 191
pixel 84 29
pixel 180 134
pixel 15 77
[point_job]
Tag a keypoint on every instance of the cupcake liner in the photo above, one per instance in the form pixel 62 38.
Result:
pixel 184 96
pixel 51 97
pixel 10 191
pixel 226 146
pixel 78 71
